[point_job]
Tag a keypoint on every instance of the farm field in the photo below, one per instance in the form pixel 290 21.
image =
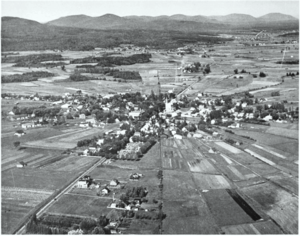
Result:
pixel 277 203
pixel 71 163
pixel 188 217
pixel 16 204
pixel 282 143
pixel 225 210
pixel 66 140
pixel 36 178
pixel 91 206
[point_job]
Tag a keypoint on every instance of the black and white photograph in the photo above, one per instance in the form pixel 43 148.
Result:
pixel 149 117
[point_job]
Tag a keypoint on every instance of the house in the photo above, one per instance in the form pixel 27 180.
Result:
pixel 198 135
pixel 135 176
pixel 82 183
pixel 11 113
pixel 134 114
pixel 56 103
pixel 268 118
pixel 177 136
pixel 122 132
pixel 105 191
pixel 82 116
pixel 114 182
pixel 27 125
pixel 76 232
pixel 19 133
pixel 65 106
pixel 100 141
pixel 138 134
pixel 84 124
pixel 91 120
pixel 21 164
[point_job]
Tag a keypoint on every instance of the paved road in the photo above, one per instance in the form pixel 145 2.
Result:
pixel 67 188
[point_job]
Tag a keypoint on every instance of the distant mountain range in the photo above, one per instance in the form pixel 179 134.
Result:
pixel 79 31
pixel 176 22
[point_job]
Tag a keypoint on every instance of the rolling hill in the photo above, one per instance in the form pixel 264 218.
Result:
pixel 235 19
pixel 178 22
pixel 273 17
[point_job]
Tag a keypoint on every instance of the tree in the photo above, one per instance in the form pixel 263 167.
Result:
pixel 236 71
pixel 262 74
pixel 16 144
pixel 124 198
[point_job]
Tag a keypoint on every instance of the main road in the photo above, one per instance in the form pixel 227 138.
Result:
pixel 65 190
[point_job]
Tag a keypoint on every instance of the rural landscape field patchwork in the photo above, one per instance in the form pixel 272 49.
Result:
pixel 121 125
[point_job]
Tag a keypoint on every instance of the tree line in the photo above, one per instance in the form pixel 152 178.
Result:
pixel 25 77
pixel 111 61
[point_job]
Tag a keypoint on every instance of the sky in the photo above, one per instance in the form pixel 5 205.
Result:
pixel 45 10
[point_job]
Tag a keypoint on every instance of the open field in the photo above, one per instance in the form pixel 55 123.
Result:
pixel 16 204
pixel 67 140
pixel 188 217
pixel 266 227
pixel 284 132
pixel 278 142
pixel 277 203
pixel 72 163
pixel 35 178
pixel 89 206
pixel 225 209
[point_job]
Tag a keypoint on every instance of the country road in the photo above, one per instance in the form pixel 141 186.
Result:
pixel 56 198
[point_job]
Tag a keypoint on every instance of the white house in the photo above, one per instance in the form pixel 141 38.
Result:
pixel 27 125
pixel 82 184
pixel 100 141
pixel 114 182
pixel 76 232
pixel 82 116
pixel 197 135
pixel 134 114
pixel 21 164
pixel 84 125
pixel 177 136
pixel 268 118
pixel 106 109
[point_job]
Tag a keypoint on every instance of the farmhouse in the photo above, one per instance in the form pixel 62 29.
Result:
pixel 114 183
pixel 19 133
pixel 105 191
pixel 84 124
pixel 82 184
pixel 21 164
pixel 75 232
pixel 82 116
pixel 134 114
pixel 27 125
pixel 135 176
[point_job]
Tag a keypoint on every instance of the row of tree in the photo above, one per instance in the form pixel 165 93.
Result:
pixel 25 77
pixel 113 60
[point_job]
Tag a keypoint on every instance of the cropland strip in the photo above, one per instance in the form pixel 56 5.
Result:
pixel 229 147
pixel 260 157
pixel 270 151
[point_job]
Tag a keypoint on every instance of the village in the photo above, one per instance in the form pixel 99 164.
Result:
pixel 201 138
